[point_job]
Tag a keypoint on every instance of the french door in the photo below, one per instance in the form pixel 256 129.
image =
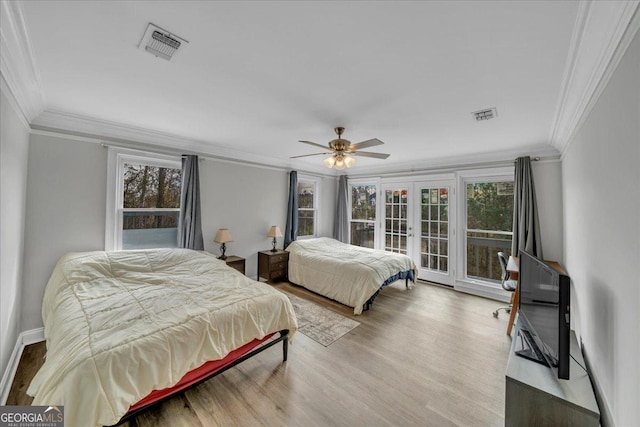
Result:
pixel 416 223
pixel 397 225
pixel 434 242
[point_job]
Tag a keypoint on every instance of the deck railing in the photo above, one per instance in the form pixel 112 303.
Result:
pixel 482 256
pixel 482 252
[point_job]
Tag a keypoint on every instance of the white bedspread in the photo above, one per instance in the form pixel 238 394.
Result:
pixel 345 273
pixel 121 324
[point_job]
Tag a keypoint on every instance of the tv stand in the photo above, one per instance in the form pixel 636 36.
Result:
pixel 527 348
pixel 535 395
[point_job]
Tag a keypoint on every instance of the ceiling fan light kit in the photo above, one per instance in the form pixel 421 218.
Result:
pixel 342 150
pixel 349 161
pixel 339 160
pixel 330 161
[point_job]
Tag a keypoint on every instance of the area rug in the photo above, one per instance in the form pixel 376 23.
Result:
pixel 321 325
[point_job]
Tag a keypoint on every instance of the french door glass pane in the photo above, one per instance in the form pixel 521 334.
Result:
pixel 434 235
pixel 396 220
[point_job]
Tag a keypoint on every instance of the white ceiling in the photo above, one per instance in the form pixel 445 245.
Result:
pixel 256 77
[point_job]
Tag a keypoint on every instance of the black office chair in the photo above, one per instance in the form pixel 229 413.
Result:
pixel 507 284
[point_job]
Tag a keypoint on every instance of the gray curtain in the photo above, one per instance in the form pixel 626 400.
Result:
pixel 291 229
pixel 526 227
pixel 190 225
pixel 341 221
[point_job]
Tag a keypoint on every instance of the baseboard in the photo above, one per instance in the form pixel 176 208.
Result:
pixel 606 417
pixel 32 336
pixel 10 372
pixel 25 338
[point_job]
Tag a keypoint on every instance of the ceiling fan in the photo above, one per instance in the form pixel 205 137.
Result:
pixel 342 149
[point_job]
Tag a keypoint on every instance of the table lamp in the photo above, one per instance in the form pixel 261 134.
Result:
pixel 223 237
pixel 274 232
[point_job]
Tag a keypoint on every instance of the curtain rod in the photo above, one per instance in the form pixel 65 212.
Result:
pixel 150 148
pixel 441 169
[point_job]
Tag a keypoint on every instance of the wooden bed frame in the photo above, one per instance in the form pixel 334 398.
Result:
pixel 207 371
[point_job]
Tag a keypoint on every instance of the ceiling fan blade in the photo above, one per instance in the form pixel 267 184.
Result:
pixel 314 154
pixel 367 154
pixel 365 144
pixel 315 144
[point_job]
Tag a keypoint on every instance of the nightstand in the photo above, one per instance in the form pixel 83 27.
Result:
pixel 236 262
pixel 273 265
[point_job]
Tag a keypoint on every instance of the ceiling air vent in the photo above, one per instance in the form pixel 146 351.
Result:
pixel 160 42
pixel 487 114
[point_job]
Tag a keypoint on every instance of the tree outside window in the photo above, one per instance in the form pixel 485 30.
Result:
pixel 363 215
pixel 306 208
pixel 489 227
pixel 150 206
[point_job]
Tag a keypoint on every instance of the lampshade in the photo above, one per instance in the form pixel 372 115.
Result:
pixel 329 162
pixel 223 236
pixel 274 231
pixel 349 161
pixel 340 164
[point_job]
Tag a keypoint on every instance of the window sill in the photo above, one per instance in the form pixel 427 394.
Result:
pixel 306 237
pixel 482 289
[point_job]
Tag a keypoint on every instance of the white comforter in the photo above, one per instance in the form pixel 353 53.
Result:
pixel 121 324
pixel 345 273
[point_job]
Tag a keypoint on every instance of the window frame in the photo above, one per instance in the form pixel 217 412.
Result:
pixel 306 179
pixel 117 158
pixel 463 178
pixel 377 222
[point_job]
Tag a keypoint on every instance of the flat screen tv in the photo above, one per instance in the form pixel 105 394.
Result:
pixel 544 314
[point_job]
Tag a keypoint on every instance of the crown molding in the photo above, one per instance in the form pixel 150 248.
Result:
pixel 17 62
pixel 6 90
pixel 125 136
pixel 467 161
pixel 602 33
pixel 74 126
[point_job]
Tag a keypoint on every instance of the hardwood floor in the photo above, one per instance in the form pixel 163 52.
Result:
pixel 429 356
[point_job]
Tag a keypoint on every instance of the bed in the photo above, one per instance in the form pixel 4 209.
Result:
pixel 349 274
pixel 121 326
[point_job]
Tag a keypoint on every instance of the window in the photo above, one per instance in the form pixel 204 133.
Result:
pixel 144 201
pixel 307 208
pixel 363 215
pixel 489 207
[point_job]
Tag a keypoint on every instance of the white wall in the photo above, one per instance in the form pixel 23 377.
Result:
pixel 14 147
pixel 66 199
pixel 601 178
pixel 547 177
pixel 66 208
pixel 248 200
pixel 328 199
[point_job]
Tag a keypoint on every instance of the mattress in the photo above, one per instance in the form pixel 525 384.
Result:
pixel 119 325
pixel 348 274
